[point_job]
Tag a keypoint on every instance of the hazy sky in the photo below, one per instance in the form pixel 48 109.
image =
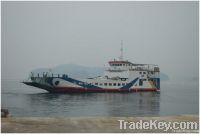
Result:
pixel 46 34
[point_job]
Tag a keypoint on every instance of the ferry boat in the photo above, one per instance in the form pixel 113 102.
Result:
pixel 120 76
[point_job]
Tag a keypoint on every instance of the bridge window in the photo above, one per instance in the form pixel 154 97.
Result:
pixel 101 84
pixel 144 72
pixel 105 84
pixel 119 84
pixel 123 79
pixel 114 84
pixel 110 84
pixel 96 83
pixel 123 84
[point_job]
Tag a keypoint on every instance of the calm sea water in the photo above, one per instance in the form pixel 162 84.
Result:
pixel 174 98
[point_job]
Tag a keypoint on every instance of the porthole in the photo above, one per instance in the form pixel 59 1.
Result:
pixel 57 82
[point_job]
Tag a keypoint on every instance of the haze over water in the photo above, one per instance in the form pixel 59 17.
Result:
pixel 47 34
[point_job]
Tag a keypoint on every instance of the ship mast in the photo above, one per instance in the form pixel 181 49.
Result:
pixel 121 50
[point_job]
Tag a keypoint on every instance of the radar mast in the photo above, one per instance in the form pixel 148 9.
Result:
pixel 121 51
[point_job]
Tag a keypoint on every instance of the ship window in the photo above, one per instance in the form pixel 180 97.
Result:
pixel 144 72
pixel 110 84
pixel 80 83
pixel 119 84
pixel 140 72
pixel 123 79
pixel 105 84
pixel 101 84
pixel 123 84
pixel 114 84
pixel 56 83
pixel 96 83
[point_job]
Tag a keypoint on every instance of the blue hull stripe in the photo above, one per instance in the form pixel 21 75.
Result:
pixel 80 83
pixel 157 83
pixel 127 86
pixel 87 85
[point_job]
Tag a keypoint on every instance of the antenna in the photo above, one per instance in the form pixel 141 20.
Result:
pixel 121 50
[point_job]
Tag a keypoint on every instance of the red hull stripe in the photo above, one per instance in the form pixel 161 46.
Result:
pixel 66 89
pixel 119 62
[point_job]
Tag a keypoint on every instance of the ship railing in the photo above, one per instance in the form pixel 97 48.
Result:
pixel 135 68
pixel 147 67
pixel 152 69
pixel 115 70
pixel 46 74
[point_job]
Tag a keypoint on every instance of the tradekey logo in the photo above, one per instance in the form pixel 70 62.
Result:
pixel 161 125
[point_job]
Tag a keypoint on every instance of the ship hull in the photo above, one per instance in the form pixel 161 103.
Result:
pixel 86 90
